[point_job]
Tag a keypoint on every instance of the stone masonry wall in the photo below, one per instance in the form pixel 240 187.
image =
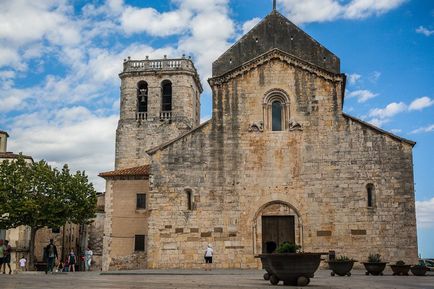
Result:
pixel 123 221
pixel 134 138
pixel 319 173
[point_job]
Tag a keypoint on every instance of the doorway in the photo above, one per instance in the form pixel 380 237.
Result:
pixel 277 230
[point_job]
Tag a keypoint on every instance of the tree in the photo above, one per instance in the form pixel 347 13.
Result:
pixel 37 195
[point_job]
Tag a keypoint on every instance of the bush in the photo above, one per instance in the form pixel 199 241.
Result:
pixel 287 247
pixel 374 258
pixel 400 263
pixel 343 258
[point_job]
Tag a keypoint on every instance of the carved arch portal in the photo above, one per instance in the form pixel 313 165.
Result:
pixel 271 209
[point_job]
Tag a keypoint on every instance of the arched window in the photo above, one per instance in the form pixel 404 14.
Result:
pixel 166 96
pixel 370 195
pixel 142 96
pixel 276 112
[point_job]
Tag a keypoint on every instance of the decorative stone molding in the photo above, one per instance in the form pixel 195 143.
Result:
pixel 269 56
pixel 294 125
pixel 257 126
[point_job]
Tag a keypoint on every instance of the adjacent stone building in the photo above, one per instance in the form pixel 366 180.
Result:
pixel 279 161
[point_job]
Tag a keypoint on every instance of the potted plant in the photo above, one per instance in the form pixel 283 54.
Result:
pixel 375 266
pixel 290 265
pixel 400 268
pixel 341 266
pixel 419 270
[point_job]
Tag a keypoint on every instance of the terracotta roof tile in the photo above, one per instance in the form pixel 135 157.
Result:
pixel 136 171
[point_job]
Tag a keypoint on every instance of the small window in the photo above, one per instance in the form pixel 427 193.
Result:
pixel 189 200
pixel 166 96
pixel 139 243
pixel 142 96
pixel 370 195
pixel 55 230
pixel 276 116
pixel 141 201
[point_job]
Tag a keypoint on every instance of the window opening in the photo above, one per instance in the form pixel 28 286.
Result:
pixel 141 201
pixel 142 96
pixel 139 243
pixel 167 96
pixel 276 111
pixel 189 200
pixel 370 192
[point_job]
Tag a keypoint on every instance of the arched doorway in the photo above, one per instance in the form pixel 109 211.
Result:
pixel 274 223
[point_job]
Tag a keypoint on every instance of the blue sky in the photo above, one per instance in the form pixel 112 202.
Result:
pixel 59 62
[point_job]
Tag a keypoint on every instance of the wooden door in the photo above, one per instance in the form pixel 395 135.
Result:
pixel 276 230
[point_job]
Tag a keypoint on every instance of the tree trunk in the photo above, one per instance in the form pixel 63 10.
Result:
pixel 32 248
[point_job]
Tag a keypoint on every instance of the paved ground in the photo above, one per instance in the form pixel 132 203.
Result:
pixel 218 279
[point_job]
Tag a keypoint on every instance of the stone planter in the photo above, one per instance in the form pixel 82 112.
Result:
pixel 292 268
pixel 419 270
pixel 265 266
pixel 375 269
pixel 341 268
pixel 400 270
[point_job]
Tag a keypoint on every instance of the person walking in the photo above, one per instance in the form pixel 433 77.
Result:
pixel 208 257
pixel 7 257
pixel 50 253
pixel 23 262
pixel 2 253
pixel 88 258
pixel 72 260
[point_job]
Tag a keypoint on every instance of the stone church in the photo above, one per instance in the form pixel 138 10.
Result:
pixel 278 161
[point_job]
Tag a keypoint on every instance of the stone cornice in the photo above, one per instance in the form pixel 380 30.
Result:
pixel 269 56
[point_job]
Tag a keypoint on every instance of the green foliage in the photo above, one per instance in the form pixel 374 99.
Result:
pixel 374 258
pixel 287 247
pixel 343 258
pixel 36 195
pixel 400 263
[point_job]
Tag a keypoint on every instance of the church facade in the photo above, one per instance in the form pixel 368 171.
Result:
pixel 278 161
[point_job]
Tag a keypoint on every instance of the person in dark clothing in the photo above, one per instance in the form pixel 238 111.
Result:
pixel 7 257
pixel 50 253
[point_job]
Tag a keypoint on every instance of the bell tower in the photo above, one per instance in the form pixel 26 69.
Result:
pixel 160 100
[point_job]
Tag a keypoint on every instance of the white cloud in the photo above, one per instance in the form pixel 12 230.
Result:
pixel 151 21
pixel 389 111
pixel 358 9
pixel 71 135
pixel 328 10
pixel 362 95
pixel 425 213
pixel 395 130
pixel 424 129
pixel 421 103
pixel 374 76
pixel 424 31
pixel 354 78
pixel 379 122
pixel 248 25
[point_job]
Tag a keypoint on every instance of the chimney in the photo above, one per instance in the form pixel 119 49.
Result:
pixel 3 141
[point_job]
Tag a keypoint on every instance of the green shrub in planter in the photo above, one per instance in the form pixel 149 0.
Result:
pixel 287 247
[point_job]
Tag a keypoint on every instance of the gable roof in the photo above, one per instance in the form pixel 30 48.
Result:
pixel 373 127
pixel 128 172
pixel 276 31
